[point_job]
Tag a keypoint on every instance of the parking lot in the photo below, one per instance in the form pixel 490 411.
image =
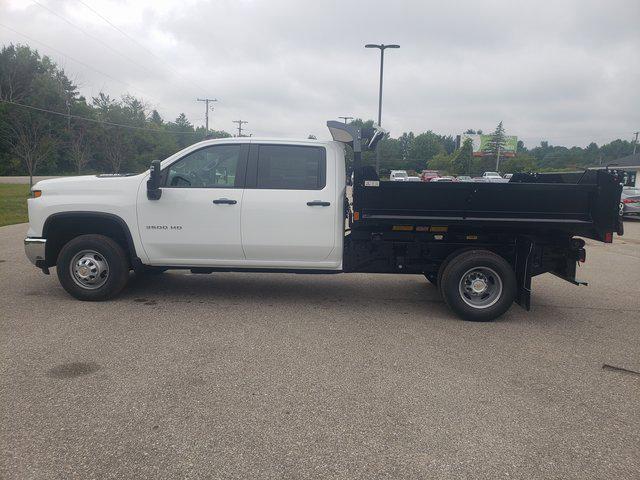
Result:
pixel 317 376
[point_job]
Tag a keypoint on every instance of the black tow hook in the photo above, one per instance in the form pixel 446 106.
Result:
pixel 42 266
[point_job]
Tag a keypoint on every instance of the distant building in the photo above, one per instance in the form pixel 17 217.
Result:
pixel 631 166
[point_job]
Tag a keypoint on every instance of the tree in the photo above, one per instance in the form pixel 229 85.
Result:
pixel 463 158
pixel 496 144
pixel 406 145
pixel 30 141
pixel 425 147
pixel 522 162
pixel 441 162
pixel 79 150
pixel 113 145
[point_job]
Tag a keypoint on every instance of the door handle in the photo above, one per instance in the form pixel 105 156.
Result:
pixel 224 201
pixel 318 203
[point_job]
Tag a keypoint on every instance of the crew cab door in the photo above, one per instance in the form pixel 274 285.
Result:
pixel 196 221
pixel 289 205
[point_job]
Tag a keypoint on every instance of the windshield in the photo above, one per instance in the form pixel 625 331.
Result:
pixel 492 174
pixel 400 174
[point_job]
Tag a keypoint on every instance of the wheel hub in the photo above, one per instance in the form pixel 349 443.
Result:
pixel 480 287
pixel 89 269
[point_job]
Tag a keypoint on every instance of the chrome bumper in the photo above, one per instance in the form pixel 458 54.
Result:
pixel 35 248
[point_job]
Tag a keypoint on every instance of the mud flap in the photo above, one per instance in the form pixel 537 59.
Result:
pixel 525 247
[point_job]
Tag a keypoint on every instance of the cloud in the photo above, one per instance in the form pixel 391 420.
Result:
pixel 562 71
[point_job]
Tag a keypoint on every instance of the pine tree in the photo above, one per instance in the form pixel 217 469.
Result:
pixel 496 145
pixel 463 158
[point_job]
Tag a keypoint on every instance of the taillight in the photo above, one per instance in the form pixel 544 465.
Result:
pixel 608 237
pixel 631 200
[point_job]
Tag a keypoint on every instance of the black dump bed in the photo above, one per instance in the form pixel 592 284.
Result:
pixel 588 207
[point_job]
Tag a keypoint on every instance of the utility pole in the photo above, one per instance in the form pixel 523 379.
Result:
pixel 346 119
pixel 206 109
pixel 498 160
pixel 635 142
pixel 382 47
pixel 240 123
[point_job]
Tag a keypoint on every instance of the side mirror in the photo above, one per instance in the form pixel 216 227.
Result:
pixel 154 192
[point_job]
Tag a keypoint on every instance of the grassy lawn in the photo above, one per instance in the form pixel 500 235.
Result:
pixel 13 203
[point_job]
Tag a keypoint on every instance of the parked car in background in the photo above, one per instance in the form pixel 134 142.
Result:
pixel 508 176
pixel 465 178
pixel 630 202
pixel 402 176
pixel 493 177
pixel 428 175
pixel 398 176
pixel 443 179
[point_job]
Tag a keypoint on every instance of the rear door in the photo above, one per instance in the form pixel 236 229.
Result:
pixel 289 210
pixel 197 219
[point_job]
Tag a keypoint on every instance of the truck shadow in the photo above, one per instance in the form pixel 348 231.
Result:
pixel 410 293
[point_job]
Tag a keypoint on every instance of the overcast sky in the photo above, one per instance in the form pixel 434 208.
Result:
pixel 566 71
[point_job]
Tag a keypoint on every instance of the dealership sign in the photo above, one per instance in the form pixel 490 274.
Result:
pixel 481 143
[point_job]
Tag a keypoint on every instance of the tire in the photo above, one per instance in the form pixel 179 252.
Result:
pixel 444 264
pixel 92 268
pixel 478 285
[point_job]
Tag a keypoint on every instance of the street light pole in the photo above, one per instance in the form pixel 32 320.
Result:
pixel 382 47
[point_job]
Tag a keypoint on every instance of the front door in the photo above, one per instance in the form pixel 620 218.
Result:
pixel 196 221
pixel 289 208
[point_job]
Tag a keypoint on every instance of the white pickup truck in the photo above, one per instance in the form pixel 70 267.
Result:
pixel 250 204
pixel 493 177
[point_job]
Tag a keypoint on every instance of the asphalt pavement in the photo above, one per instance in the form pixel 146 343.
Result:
pixel 236 375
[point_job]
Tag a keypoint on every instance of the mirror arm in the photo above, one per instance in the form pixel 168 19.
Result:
pixel 154 192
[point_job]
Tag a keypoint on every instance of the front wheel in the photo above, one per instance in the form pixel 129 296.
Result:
pixel 92 267
pixel 478 285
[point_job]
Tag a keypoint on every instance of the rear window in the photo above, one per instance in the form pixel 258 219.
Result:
pixel 291 167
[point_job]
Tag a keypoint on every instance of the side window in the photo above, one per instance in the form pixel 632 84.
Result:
pixel 291 167
pixel 209 167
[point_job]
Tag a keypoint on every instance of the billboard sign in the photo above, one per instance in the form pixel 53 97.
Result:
pixel 480 143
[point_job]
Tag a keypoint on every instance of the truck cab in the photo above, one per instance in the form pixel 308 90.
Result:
pixel 234 202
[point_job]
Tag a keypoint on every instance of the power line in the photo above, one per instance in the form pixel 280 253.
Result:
pixel 240 123
pixel 100 41
pixel 76 60
pixel 133 39
pixel 93 120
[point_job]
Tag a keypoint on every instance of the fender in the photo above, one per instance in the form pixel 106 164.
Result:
pixel 135 260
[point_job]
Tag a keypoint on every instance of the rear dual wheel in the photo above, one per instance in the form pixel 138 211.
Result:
pixel 478 285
